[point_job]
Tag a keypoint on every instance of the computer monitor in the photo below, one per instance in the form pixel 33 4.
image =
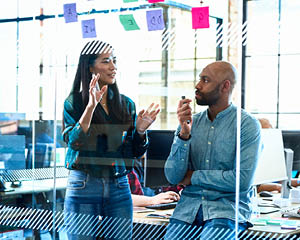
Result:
pixel 160 142
pixel 44 132
pixel 291 139
pixel 60 157
pixel 271 164
pixel 12 152
pixel 42 155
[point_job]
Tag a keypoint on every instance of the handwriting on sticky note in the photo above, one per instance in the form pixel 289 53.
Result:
pixel 70 13
pixel 88 28
pixel 128 22
pixel 200 17
pixel 155 20
pixel 155 1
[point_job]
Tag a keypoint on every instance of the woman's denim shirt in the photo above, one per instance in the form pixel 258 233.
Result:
pixel 106 150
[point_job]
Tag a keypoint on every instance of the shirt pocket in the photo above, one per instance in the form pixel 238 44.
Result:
pixel 76 180
pixel 226 153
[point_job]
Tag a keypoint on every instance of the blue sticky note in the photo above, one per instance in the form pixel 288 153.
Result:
pixel 70 13
pixel 88 28
pixel 155 20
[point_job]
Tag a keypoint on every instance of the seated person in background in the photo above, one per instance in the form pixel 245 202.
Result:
pixel 8 127
pixel 273 187
pixel 139 170
pixel 265 123
pixel 276 187
pixel 270 187
pixel 140 200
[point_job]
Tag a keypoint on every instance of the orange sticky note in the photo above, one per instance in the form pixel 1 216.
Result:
pixel 200 17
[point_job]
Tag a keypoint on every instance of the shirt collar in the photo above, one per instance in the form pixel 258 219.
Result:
pixel 225 112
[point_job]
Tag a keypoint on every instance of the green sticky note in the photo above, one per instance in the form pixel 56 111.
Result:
pixel 128 22
pixel 128 1
pixel 259 223
pixel 274 222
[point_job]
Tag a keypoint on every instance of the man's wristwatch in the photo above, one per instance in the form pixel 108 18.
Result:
pixel 184 137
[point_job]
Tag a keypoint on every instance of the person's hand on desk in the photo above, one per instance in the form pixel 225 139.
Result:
pixel 165 197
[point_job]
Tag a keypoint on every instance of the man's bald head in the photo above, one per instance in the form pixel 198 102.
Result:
pixel 223 71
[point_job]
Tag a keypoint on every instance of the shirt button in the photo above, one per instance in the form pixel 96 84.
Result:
pixel 182 159
pixel 203 198
pixel 209 142
pixel 212 127
pixel 185 144
pixel 207 160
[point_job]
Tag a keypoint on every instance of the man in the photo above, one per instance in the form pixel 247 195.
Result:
pixel 203 157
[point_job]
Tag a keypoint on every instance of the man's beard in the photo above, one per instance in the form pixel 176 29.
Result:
pixel 210 98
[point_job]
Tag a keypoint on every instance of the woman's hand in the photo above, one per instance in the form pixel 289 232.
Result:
pixel 95 94
pixel 146 118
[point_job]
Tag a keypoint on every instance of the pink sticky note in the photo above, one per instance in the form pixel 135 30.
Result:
pixel 155 1
pixel 200 17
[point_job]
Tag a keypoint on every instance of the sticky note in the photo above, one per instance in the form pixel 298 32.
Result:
pixel 88 28
pixel 259 223
pixel 274 222
pixel 155 20
pixel 128 1
pixel 70 13
pixel 128 22
pixel 290 227
pixel 200 17
pixel 155 1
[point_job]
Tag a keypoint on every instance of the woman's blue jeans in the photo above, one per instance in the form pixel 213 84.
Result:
pixel 97 207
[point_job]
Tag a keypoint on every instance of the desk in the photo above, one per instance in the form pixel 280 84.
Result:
pixel 30 195
pixel 276 229
pixel 271 230
pixel 36 186
pixel 145 227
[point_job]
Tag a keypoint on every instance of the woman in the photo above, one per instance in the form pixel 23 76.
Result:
pixel 104 135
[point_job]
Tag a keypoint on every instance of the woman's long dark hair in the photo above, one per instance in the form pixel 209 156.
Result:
pixel 116 104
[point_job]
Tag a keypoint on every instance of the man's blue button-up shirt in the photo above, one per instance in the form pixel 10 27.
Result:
pixel 211 154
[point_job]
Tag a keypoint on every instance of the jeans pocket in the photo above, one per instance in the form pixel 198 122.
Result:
pixel 76 180
pixel 122 182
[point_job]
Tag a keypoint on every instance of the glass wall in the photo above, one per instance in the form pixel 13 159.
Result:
pixel 270 62
pixel 40 53
pixel 40 57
